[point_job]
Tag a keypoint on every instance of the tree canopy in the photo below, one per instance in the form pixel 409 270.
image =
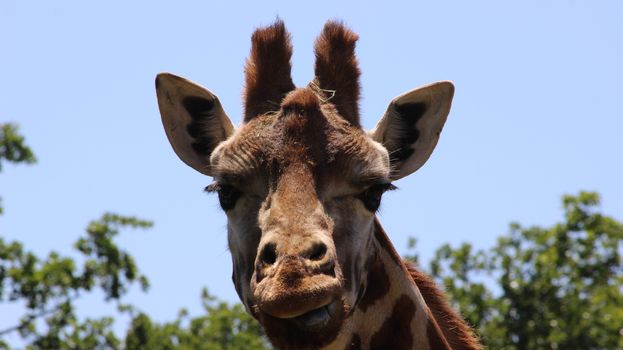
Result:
pixel 558 287
pixel 49 288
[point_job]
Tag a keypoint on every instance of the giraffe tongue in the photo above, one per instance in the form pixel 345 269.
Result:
pixel 314 319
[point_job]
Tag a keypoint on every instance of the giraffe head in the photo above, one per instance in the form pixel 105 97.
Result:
pixel 300 180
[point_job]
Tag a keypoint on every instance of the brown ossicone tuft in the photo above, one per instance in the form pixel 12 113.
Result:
pixel 267 70
pixel 337 70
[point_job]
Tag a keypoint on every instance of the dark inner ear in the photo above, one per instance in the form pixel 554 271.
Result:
pixel 202 127
pixel 406 132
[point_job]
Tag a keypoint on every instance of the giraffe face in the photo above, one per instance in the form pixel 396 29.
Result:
pixel 300 180
pixel 300 188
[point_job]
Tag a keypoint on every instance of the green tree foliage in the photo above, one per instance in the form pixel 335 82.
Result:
pixel 12 148
pixel 543 288
pixel 49 287
pixel 223 327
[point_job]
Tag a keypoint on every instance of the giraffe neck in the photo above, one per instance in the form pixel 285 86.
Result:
pixel 392 314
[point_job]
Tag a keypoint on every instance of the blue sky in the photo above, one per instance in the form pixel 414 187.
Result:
pixel 537 114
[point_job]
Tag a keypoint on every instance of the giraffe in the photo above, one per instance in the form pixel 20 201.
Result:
pixel 300 182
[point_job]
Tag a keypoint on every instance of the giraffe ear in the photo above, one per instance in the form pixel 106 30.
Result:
pixel 411 126
pixel 193 119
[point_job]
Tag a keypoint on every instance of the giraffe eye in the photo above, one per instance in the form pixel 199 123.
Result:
pixel 227 194
pixel 371 197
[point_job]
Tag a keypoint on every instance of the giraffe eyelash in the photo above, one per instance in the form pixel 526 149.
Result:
pixel 389 187
pixel 212 188
pixel 383 186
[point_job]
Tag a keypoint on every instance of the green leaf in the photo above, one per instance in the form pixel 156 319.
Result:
pixel 557 287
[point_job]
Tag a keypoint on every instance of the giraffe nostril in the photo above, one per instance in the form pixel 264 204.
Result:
pixel 318 252
pixel 269 254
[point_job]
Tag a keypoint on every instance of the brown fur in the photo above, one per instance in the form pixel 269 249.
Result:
pixel 436 339
pixel 457 332
pixel 355 343
pixel 337 70
pixel 378 284
pixel 267 71
pixel 303 123
pixel 396 333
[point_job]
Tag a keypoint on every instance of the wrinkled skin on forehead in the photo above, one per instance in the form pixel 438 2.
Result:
pixel 301 171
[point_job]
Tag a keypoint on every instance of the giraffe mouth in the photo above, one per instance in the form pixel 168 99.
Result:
pixel 308 304
pixel 317 326
pixel 317 318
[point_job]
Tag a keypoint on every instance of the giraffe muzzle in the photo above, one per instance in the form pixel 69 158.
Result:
pixel 281 297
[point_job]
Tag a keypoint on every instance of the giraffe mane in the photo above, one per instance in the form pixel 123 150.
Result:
pixel 458 334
